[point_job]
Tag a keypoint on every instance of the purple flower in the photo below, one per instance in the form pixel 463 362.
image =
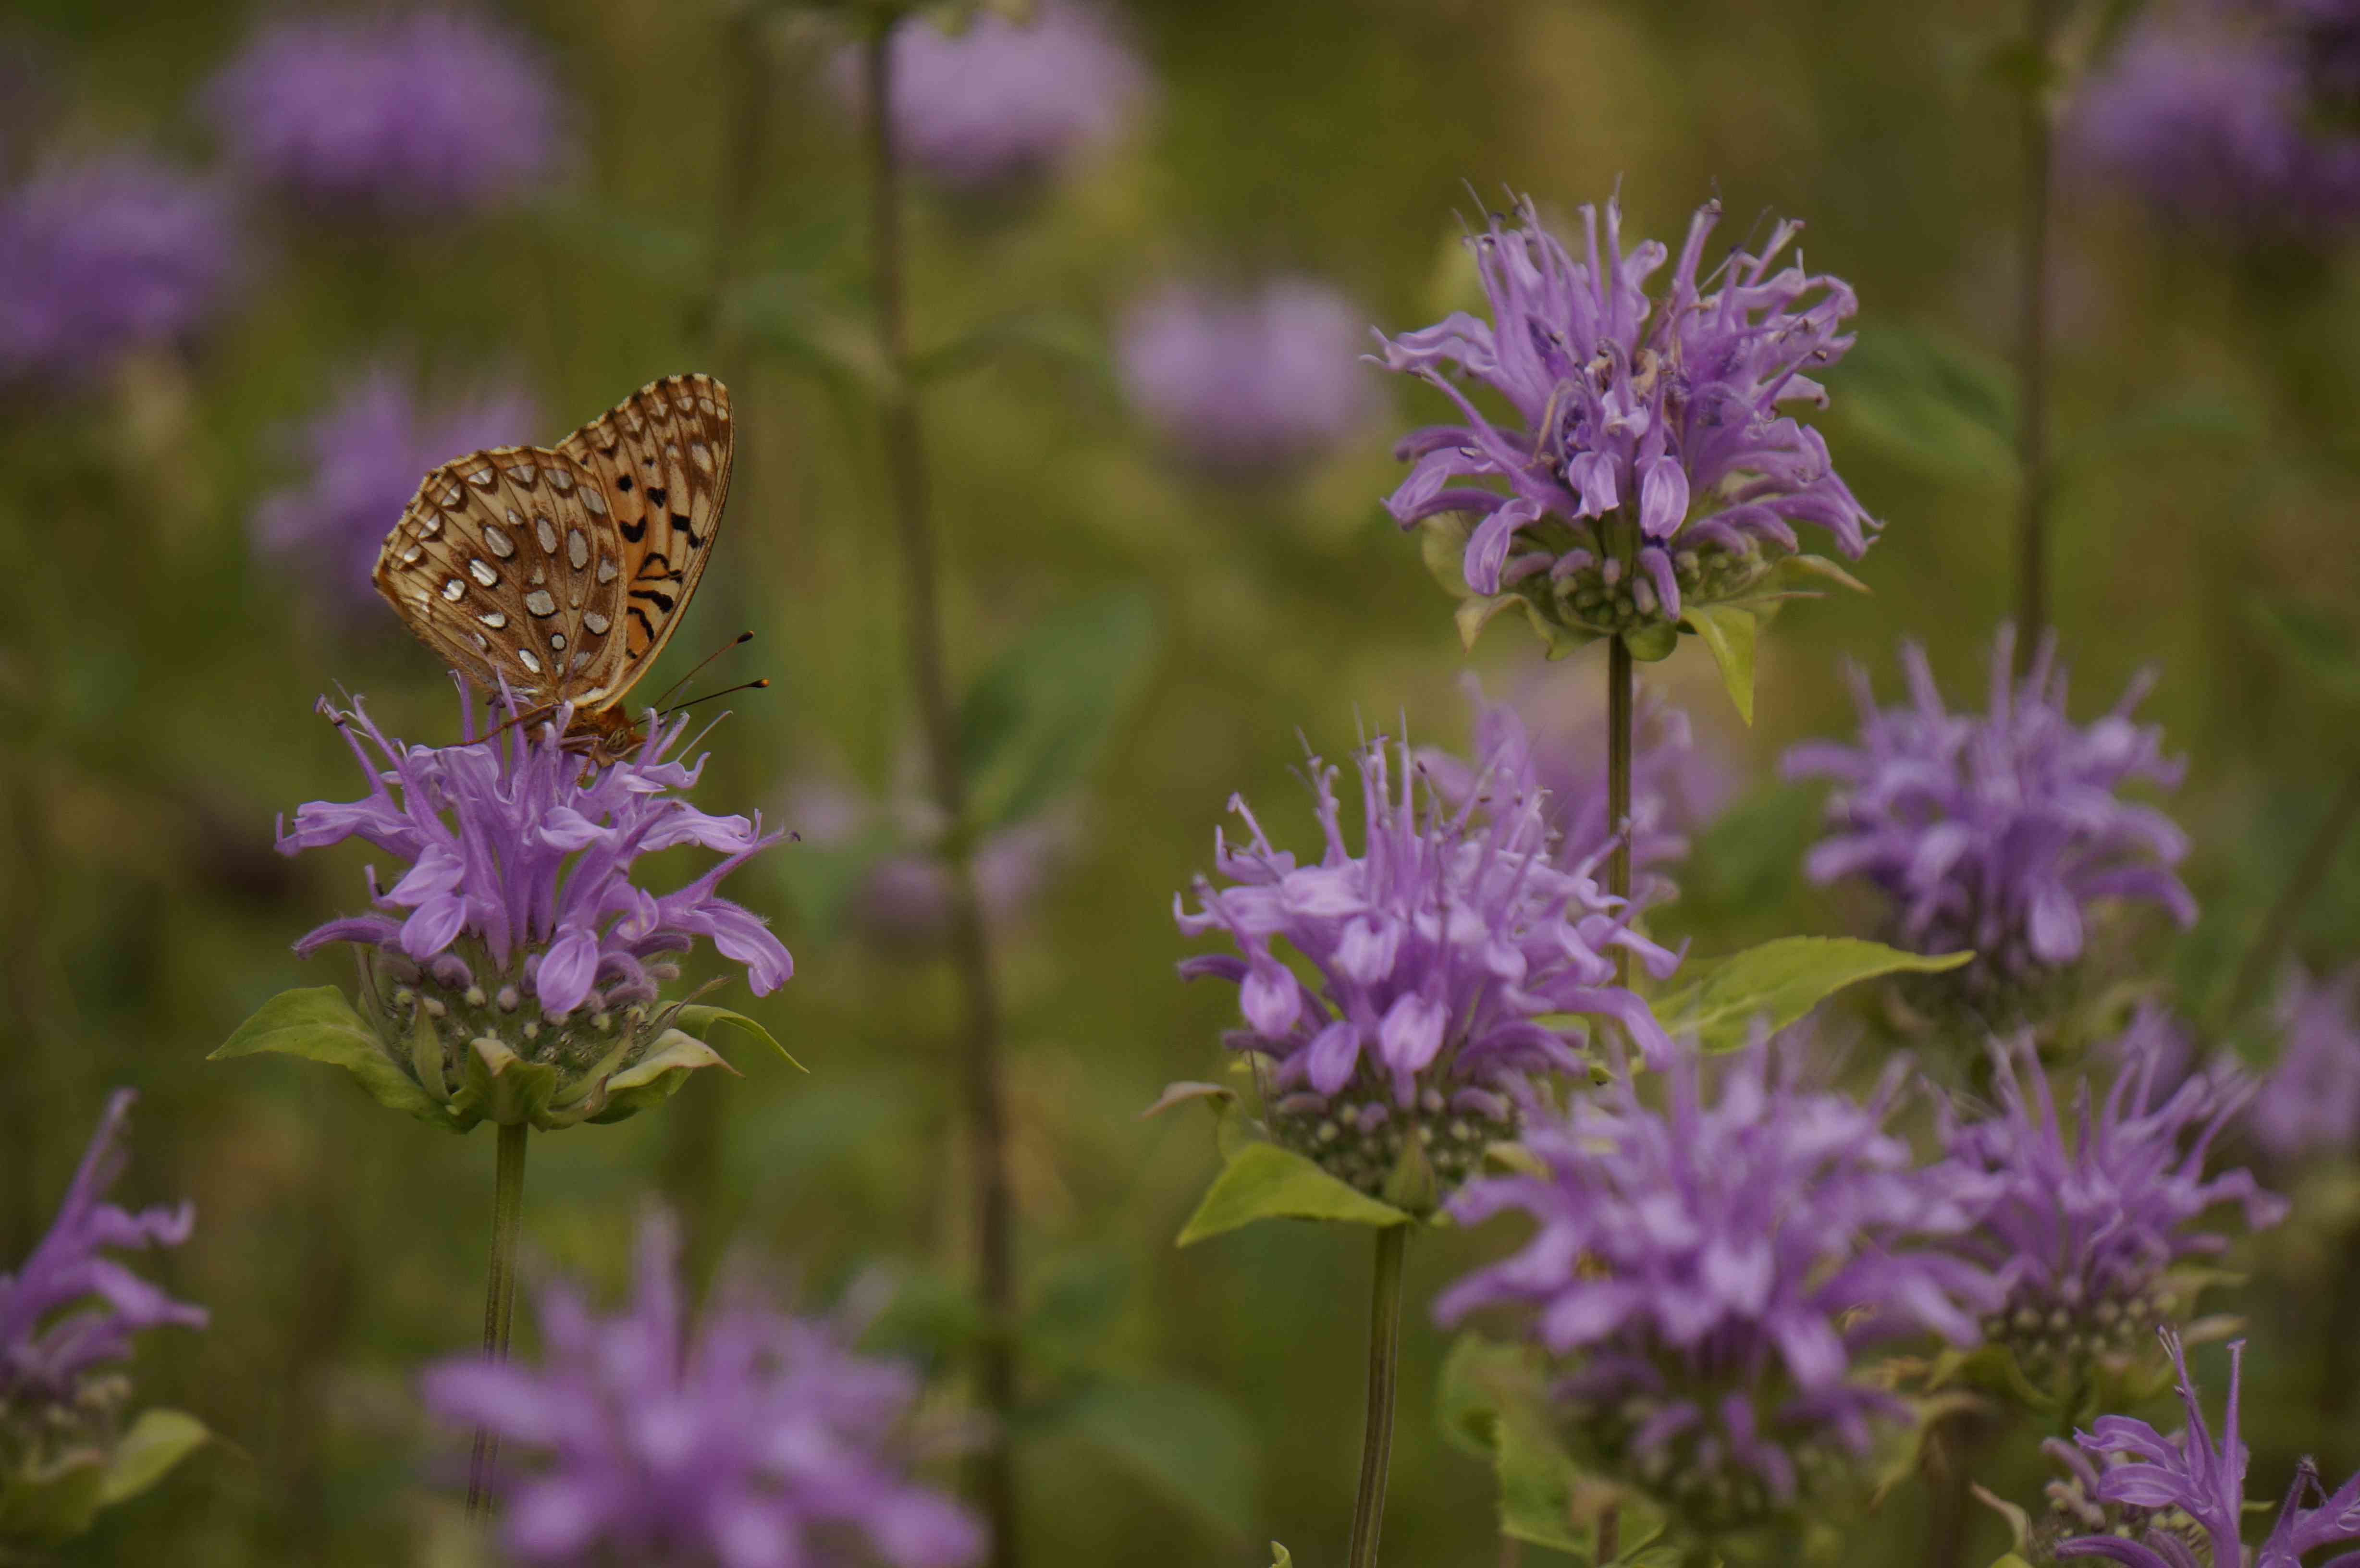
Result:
pixel 1437 951
pixel 1997 831
pixel 1560 758
pixel 1252 383
pixel 902 901
pixel 2083 1228
pixel 516 918
pixel 2181 1494
pixel 2219 119
pixel 365 455
pixel 752 1440
pixel 403 114
pixel 1000 102
pixel 1648 466
pixel 68 1314
pixel 1714 1270
pixel 104 257
pixel 2310 1102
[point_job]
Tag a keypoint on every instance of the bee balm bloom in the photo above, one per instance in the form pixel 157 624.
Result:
pixel 1647 462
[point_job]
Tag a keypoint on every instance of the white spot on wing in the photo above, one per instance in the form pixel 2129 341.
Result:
pixel 481 571
pixel 577 549
pixel 495 619
pixel 498 538
pixel 540 603
pixel 597 623
pixel 525 658
pixel 454 589
pixel 546 534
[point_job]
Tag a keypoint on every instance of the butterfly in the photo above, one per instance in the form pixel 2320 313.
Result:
pixel 560 572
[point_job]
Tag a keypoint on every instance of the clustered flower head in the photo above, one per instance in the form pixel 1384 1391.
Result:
pixel 69 1314
pixel 365 453
pixel 107 257
pixel 1648 466
pixel 2309 1101
pixel 999 101
pixel 1714 1269
pixel 1434 955
pixel 1250 383
pixel 752 1439
pixel 401 114
pixel 2144 1500
pixel 1537 749
pixel 2084 1224
pixel 1997 831
pixel 516 931
pixel 2245 119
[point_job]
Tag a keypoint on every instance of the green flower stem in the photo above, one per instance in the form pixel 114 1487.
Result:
pixel 2032 345
pixel 2318 858
pixel 499 1294
pixel 1384 1365
pixel 1619 696
pixel 993 1476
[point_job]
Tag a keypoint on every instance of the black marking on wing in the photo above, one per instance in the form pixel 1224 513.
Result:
pixel 656 495
pixel 660 600
pixel 634 532
pixel 623 483
pixel 687 525
pixel 646 628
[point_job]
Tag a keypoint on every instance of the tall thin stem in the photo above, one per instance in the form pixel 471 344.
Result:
pixel 1384 1365
pixel 1619 684
pixel 499 1294
pixel 2032 345
pixel 994 1472
pixel 2309 871
pixel 696 1126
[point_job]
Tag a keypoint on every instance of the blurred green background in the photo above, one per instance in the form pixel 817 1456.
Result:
pixel 158 679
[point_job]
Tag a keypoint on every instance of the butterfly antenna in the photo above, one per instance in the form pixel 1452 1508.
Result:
pixel 738 641
pixel 761 685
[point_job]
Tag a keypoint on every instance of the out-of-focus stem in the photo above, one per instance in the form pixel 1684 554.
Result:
pixel 905 460
pixel 499 1295
pixel 2318 858
pixel 2032 344
pixel 1618 783
pixel 696 1126
pixel 1377 1426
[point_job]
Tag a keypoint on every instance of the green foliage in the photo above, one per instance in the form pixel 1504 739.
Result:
pixel 1945 407
pixel 1491 1402
pixel 55 1506
pixel 2318 643
pixel 1729 633
pixel 318 1024
pixel 1779 982
pixel 701 1020
pixel 1035 721
pixel 1192 1444
pixel 1264 1181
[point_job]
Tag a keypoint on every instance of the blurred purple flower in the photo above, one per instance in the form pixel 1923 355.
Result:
pixel 901 903
pixel 365 455
pixel 1649 466
pixel 397 114
pixel 520 857
pixel 101 257
pixel 68 1314
pixel 1001 101
pixel 2161 1485
pixel 1716 1269
pixel 751 1440
pixel 1559 755
pixel 1250 382
pixel 1437 949
pixel 2309 1102
pixel 1998 831
pixel 2083 1229
pixel 2213 115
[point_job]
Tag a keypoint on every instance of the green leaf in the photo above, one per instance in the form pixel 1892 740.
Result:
pixel 1780 981
pixel 657 1076
pixel 783 312
pixel 52 1508
pixel 1059 336
pixel 1279 1557
pixel 1945 408
pixel 1189 1442
pixel 1655 641
pixel 157 1441
pixel 1033 726
pixel 317 1023
pixel 2319 643
pixel 1081 1299
pixel 1264 1181
pixel 700 1020
pixel 1730 634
